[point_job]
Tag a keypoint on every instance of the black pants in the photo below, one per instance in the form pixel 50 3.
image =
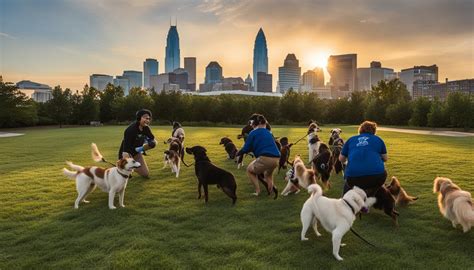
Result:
pixel 369 183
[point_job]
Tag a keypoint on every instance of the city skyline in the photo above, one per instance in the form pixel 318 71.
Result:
pixel 105 37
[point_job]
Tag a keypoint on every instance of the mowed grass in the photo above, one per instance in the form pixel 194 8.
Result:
pixel 164 226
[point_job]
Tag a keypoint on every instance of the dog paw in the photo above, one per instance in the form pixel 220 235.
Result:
pixel 304 239
pixel 339 258
pixel 112 207
pixel 123 205
pixel 84 201
pixel 318 234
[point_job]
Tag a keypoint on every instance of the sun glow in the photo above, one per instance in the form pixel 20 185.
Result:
pixel 319 59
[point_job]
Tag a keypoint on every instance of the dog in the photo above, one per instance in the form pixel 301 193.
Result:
pixel 178 131
pixel 229 147
pixel 284 153
pixel 174 155
pixel 335 215
pixel 300 177
pixel 400 195
pixel 209 174
pixel 292 185
pixel 322 164
pixel 335 144
pixel 385 202
pixel 313 140
pixel 113 180
pixel 454 203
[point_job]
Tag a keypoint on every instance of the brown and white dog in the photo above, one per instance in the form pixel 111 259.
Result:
pixel 313 140
pixel 113 180
pixel 174 155
pixel 335 144
pixel 454 203
pixel 400 195
pixel 301 177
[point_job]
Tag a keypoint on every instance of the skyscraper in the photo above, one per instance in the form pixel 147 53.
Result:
pixel 371 76
pixel 190 67
pixel 213 73
pixel 260 56
pixel 289 74
pixel 172 59
pixel 134 77
pixel 150 67
pixel 123 82
pixel 418 73
pixel 100 81
pixel 264 82
pixel 343 71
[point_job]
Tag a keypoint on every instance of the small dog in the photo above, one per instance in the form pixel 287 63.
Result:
pixel 454 203
pixel 400 195
pixel 335 144
pixel 178 131
pixel 209 174
pixel 113 180
pixel 335 215
pixel 300 177
pixel 313 140
pixel 292 185
pixel 229 147
pixel 285 153
pixel 385 202
pixel 322 164
pixel 174 155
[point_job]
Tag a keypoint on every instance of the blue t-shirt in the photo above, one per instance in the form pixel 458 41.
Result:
pixel 363 154
pixel 261 142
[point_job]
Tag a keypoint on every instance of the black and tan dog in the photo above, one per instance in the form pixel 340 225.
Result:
pixel 209 174
pixel 399 193
pixel 229 147
pixel 385 202
pixel 285 153
pixel 174 155
pixel 322 164
pixel 335 144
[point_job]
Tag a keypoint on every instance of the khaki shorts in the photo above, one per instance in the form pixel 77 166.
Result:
pixel 265 165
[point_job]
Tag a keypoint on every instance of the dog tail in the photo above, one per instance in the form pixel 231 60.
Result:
pixel 96 155
pixel 463 208
pixel 69 174
pixel 75 167
pixel 315 190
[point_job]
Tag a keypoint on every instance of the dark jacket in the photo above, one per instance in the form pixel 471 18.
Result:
pixel 134 137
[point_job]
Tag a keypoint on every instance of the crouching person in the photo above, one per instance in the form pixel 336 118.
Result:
pixel 138 138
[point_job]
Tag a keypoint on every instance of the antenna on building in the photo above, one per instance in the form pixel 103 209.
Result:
pixel 176 21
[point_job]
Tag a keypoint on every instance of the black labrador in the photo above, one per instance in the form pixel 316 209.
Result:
pixel 209 174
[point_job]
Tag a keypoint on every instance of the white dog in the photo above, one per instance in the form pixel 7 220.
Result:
pixel 335 215
pixel 113 180
pixel 313 141
pixel 454 203
pixel 298 176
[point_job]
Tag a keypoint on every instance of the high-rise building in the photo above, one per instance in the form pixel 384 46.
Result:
pixel 172 58
pixel 343 71
pixel 289 74
pixel 100 81
pixel 312 79
pixel 134 78
pixel 434 89
pixel 180 77
pixel 264 82
pixel 371 76
pixel 190 67
pixel 37 91
pixel 123 82
pixel 319 79
pixel 150 67
pixel 260 57
pixel 423 73
pixel 249 83
pixel 213 73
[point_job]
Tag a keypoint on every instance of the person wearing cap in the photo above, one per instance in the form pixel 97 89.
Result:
pixel 137 138
pixel 261 142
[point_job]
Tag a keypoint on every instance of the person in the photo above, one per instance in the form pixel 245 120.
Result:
pixel 138 138
pixel 261 142
pixel 365 155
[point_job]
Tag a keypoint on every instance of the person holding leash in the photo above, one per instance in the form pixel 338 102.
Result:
pixel 261 142
pixel 365 155
pixel 137 138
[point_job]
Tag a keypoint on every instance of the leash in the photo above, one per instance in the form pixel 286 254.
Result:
pixel 103 160
pixel 301 139
pixel 360 237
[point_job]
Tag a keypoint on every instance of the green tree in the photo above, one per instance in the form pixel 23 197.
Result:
pixel 107 98
pixel 59 107
pixel 15 108
pixel 399 113
pixel 437 114
pixel 421 108
pixel 357 105
pixel 290 106
pixel 458 110
pixel 89 106
pixel 384 94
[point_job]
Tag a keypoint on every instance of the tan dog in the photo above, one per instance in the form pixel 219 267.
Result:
pixel 400 195
pixel 454 203
pixel 301 177
pixel 113 180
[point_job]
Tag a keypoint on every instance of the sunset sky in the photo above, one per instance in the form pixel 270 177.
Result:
pixel 64 41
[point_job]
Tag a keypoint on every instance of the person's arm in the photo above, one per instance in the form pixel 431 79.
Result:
pixel 344 152
pixel 128 141
pixel 383 152
pixel 342 158
pixel 147 132
pixel 384 157
pixel 247 146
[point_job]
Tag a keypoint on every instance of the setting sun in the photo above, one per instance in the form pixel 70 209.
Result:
pixel 319 59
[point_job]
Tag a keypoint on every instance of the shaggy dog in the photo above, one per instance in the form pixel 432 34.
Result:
pixel 285 153
pixel 313 140
pixel 229 147
pixel 322 164
pixel 113 180
pixel 335 144
pixel 335 215
pixel 454 203
pixel 300 177
pixel 209 174
pixel 400 195
pixel 174 155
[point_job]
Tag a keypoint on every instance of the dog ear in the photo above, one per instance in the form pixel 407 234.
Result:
pixel 125 155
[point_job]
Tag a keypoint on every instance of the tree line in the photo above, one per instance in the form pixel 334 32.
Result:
pixel 387 103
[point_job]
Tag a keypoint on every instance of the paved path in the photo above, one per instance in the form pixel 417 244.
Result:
pixel 8 134
pixel 428 132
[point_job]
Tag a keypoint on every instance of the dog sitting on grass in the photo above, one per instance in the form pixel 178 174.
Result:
pixel 229 147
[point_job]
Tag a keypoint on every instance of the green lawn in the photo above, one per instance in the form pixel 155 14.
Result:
pixel 164 226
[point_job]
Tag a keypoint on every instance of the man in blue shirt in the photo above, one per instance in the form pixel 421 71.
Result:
pixel 365 155
pixel 261 142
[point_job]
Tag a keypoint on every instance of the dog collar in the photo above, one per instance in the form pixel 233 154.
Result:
pixel 124 175
pixel 350 206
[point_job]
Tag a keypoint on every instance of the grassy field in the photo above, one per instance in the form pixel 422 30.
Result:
pixel 164 226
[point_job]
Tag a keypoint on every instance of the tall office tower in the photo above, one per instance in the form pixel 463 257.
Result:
pixel 123 82
pixel 371 76
pixel 150 67
pixel 172 58
pixel 418 73
pixel 289 74
pixel 190 67
pixel 260 56
pixel 343 71
pixel 100 81
pixel 213 73
pixel 134 77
